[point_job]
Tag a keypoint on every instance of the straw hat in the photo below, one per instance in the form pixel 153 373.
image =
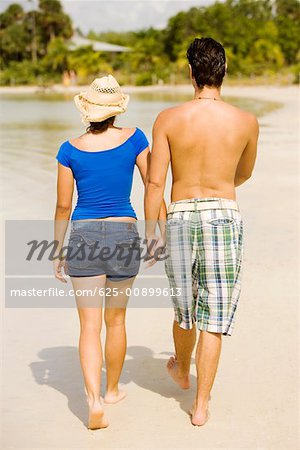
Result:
pixel 102 100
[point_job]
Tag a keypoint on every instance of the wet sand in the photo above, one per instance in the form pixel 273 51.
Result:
pixel 255 398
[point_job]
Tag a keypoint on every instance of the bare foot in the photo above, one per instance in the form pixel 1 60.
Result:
pixel 199 417
pixel 114 397
pixel 172 366
pixel 97 418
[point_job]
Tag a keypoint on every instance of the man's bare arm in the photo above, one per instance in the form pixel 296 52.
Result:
pixel 143 164
pixel 159 163
pixel 247 161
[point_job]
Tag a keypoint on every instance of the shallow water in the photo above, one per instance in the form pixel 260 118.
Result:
pixel 34 125
pixel 39 122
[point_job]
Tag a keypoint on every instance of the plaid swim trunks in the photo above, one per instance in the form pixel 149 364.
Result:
pixel 203 264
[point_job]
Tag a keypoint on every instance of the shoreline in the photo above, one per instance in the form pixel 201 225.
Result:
pixel 232 89
pixel 276 96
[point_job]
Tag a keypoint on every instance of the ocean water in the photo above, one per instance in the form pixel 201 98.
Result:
pixel 34 125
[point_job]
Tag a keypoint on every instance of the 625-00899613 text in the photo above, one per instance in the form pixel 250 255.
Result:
pixel 107 292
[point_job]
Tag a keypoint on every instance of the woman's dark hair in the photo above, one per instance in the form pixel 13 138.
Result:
pixel 208 62
pixel 100 127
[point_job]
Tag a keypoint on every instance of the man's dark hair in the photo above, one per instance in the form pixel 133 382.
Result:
pixel 208 62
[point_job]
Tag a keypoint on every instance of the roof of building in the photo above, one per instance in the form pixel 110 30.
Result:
pixel 98 46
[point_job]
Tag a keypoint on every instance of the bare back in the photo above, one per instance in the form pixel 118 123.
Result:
pixel 207 140
pixel 112 137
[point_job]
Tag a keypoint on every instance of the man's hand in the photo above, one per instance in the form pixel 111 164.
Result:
pixel 156 246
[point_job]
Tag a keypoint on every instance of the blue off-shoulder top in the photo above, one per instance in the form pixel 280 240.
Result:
pixel 103 178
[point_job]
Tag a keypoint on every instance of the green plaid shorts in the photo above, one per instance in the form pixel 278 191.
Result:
pixel 203 264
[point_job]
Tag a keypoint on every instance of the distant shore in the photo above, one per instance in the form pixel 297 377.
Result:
pixel 230 88
pixel 61 89
pixel 270 93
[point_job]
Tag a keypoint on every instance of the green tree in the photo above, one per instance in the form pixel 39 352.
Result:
pixel 56 59
pixel 287 20
pixel 265 54
pixel 14 13
pixel 88 63
pixel 52 22
pixel 181 27
pixel 14 40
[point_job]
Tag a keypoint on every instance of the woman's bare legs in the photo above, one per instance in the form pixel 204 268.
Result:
pixel 116 342
pixel 90 349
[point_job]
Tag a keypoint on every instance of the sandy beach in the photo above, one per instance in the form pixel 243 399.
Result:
pixel 255 398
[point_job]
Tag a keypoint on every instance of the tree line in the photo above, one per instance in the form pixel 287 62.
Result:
pixel 261 37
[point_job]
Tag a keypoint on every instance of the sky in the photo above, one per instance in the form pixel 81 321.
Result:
pixel 119 15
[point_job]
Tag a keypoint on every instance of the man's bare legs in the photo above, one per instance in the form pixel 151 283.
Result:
pixel 116 342
pixel 90 349
pixel 207 359
pixel 179 367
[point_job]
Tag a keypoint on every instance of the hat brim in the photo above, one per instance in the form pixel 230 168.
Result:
pixel 97 113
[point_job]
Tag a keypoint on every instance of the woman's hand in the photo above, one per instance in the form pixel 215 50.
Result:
pixel 58 264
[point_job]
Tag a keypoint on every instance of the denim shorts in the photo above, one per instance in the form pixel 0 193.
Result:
pixel 103 248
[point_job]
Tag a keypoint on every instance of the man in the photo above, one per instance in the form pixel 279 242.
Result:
pixel 212 149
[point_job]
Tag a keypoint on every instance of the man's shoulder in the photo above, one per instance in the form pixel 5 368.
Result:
pixel 250 119
pixel 167 112
pixel 244 114
pixel 173 111
pixel 164 117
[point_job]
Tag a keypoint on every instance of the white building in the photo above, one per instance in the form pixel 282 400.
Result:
pixel 98 46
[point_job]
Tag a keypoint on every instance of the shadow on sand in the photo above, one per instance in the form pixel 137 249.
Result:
pixel 59 368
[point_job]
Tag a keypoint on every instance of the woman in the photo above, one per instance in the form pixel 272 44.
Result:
pixel 101 161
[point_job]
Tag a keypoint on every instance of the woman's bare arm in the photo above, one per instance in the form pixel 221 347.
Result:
pixel 65 189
